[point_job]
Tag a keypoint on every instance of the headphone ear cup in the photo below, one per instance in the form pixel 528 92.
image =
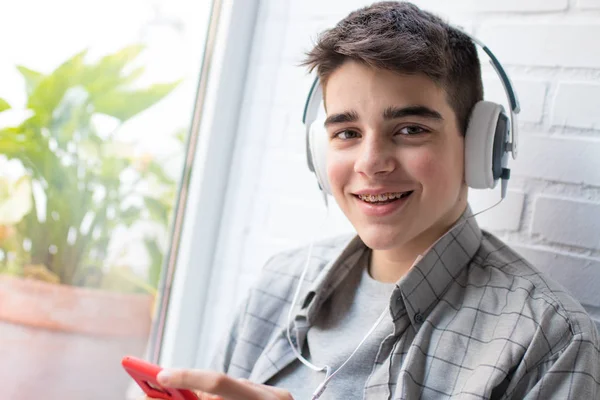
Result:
pixel 317 145
pixel 485 145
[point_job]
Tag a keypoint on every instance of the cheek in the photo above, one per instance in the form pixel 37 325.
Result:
pixel 423 166
pixel 339 171
pixel 437 171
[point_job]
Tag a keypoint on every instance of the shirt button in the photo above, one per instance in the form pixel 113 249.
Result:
pixel 418 318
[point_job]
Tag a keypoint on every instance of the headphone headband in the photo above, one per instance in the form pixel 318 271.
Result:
pixel 515 105
pixel 313 101
pixel 311 110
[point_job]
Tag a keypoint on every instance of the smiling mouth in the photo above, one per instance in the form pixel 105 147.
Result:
pixel 381 199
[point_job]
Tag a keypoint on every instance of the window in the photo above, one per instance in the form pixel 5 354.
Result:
pixel 96 101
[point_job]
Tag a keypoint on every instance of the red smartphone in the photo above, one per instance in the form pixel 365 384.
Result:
pixel 144 373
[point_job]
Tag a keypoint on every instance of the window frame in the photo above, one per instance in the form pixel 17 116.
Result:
pixel 218 105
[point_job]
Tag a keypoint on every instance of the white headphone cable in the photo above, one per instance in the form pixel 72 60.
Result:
pixel 297 293
pixel 321 388
pixel 328 374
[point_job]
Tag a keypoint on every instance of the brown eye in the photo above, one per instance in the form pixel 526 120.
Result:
pixel 346 134
pixel 411 130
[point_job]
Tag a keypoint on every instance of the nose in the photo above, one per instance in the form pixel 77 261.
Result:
pixel 375 156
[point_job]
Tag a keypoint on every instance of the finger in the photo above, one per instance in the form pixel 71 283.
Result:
pixel 208 396
pixel 212 383
pixel 201 396
pixel 281 394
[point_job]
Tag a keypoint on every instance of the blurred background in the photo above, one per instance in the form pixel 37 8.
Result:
pixel 96 102
pixel 132 128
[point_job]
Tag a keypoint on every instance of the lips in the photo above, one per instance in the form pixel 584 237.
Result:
pixel 385 207
pixel 382 198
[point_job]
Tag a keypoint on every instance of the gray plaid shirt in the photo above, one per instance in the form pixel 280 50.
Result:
pixel 472 320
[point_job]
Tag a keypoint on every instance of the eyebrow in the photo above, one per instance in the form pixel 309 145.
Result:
pixel 411 111
pixel 388 114
pixel 340 118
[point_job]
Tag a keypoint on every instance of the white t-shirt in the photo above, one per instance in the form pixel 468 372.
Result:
pixel 343 321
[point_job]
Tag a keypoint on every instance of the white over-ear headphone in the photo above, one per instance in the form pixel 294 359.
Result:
pixel 488 140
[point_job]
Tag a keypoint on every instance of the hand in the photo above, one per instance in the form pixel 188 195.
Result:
pixel 211 385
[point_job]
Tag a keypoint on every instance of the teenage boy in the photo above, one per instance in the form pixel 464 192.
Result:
pixel 462 315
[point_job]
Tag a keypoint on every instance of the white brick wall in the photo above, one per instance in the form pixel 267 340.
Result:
pixel 532 96
pixel 577 104
pixel 564 158
pixel 319 8
pixel 567 221
pixel 506 216
pixel 551 50
pixel 568 270
pixel 556 43
pixel 488 6
pixel 589 4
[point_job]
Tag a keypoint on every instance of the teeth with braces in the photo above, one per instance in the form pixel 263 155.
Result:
pixel 373 198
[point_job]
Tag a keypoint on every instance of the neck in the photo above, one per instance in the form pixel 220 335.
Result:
pixel 390 265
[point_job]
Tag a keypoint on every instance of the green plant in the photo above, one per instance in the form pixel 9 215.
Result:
pixel 89 181
pixel 15 204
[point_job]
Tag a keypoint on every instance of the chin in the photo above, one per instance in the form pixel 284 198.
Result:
pixel 381 238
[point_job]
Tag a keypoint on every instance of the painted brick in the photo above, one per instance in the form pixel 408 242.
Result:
pixel 338 8
pixel 576 104
pixel 301 35
pixel 506 216
pixel 319 8
pixel 573 160
pixel 532 95
pixel 480 6
pixel 567 221
pixel 579 275
pixel 551 44
pixel 588 4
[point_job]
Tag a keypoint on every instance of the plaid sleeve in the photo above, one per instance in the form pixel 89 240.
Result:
pixel 573 373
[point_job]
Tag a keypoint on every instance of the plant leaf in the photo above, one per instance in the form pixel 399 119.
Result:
pixel 125 104
pixel 70 116
pixel 15 200
pixel 158 211
pixel 32 78
pixel 155 169
pixel 130 215
pixel 15 142
pixel 108 73
pixel 51 89
pixel 181 136
pixel 4 105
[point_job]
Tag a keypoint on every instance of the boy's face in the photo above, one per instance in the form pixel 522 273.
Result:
pixel 395 158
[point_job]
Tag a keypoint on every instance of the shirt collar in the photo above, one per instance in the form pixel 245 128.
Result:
pixel 433 273
pixel 421 288
pixel 330 277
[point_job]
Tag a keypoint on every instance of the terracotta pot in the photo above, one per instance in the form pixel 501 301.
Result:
pixel 60 342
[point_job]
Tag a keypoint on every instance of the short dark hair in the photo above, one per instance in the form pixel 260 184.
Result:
pixel 399 36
